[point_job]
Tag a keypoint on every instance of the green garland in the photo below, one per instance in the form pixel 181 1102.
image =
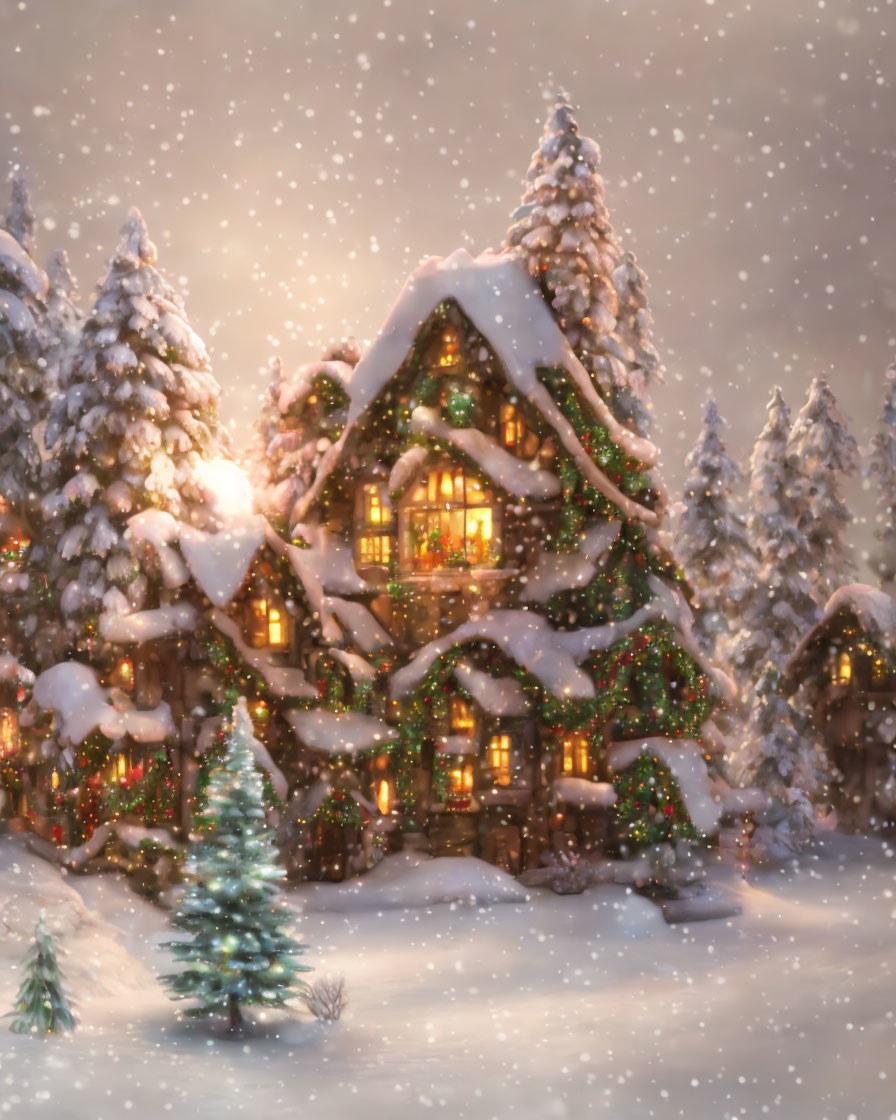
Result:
pixel 649 803
pixel 339 809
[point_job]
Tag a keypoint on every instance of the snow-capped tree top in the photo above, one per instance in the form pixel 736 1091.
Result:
pixel 634 324
pixel 20 219
pixel 62 282
pixel 563 232
pixel 880 469
pixel 18 272
pixel 819 434
pixel 709 456
pixel 135 247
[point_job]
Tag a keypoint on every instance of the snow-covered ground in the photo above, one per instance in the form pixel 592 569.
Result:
pixel 554 1007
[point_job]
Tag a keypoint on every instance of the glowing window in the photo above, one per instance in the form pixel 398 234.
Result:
pixel 462 779
pixel 449 347
pixel 844 668
pixel 576 759
pixel 376 509
pixel 499 759
pixel 463 722
pixel 513 426
pixel 450 522
pixel 384 796
pixel 374 549
pixel 268 625
pixel 9 733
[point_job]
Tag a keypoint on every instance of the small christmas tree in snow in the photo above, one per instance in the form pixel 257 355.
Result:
pixel 239 953
pixel 41 1006
pixel 781 606
pixel 711 539
pixel 20 219
pixel 880 472
pixel 827 454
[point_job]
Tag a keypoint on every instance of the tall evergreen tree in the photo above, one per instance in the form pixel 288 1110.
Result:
pixel 136 415
pixel 781 607
pixel 880 472
pixel 780 757
pixel 239 953
pixel 564 234
pixel 827 455
pixel 20 219
pixel 23 289
pixel 41 1006
pixel 62 320
pixel 711 539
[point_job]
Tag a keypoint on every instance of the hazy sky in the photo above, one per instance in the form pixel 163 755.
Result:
pixel 294 160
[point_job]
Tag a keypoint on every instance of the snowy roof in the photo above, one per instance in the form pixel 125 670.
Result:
pixel 873 609
pixel 504 304
pixel 585 794
pixel 497 696
pixel 519 478
pixel 684 757
pixel 362 626
pixel 564 571
pixel 296 388
pixel 81 705
pixel 145 626
pixel 339 732
pixel 12 670
pixel 220 561
pixel 330 560
pixel 553 656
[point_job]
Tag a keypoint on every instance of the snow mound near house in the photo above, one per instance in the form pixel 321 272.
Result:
pixel 92 959
pixel 408 881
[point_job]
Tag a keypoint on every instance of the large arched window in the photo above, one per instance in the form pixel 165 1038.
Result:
pixel 449 521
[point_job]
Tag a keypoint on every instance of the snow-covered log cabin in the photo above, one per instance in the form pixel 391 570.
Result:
pixel 846 663
pixel 486 532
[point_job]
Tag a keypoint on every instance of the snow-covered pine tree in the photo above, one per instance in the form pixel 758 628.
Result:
pixel 20 219
pixel 61 322
pixel 827 455
pixel 23 289
pixel 563 233
pixel 41 1006
pixel 301 418
pixel 265 428
pixel 711 539
pixel 135 417
pixel 240 953
pixel 634 330
pixel 781 606
pixel 880 472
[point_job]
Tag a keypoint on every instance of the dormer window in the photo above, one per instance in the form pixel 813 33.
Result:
pixel 375 540
pixel 268 625
pixel 843 668
pixel 449 522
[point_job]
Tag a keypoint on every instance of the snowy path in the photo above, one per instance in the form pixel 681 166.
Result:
pixel 559 1007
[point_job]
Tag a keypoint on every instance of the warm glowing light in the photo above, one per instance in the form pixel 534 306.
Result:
pixel 844 668
pixel 276 629
pixel 463 722
pixel 462 779
pixel 9 733
pixel 225 488
pixel 54 779
pixel 450 352
pixel 499 759
pixel 575 754
pixel 384 797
